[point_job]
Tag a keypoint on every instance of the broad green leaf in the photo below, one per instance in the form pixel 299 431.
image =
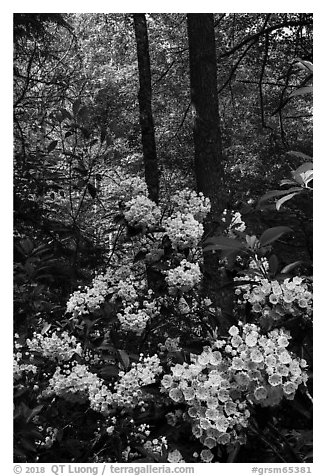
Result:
pixel 301 91
pixel 65 114
pixel 46 328
pixel 251 240
pixel 91 190
pixel 109 371
pixel 27 246
pixel 35 411
pixel 303 64
pixel 290 267
pixel 272 234
pixel 300 155
pixel 287 182
pixel 76 106
pixel 52 145
pixel 303 174
pixel 304 168
pixel 222 243
pixel 273 264
pixel 28 445
pixel 282 200
pixel 279 193
pixel 124 358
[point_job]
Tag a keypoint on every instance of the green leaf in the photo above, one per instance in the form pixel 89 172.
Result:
pixel 28 445
pixel 52 145
pixel 65 114
pixel 140 255
pixel 109 371
pixel 222 243
pixel 290 267
pixel 273 264
pixel 124 358
pixel 35 411
pixel 108 310
pixel 301 91
pixel 303 174
pixel 279 193
pixel 46 328
pixel 303 64
pixel 27 246
pixel 300 155
pixel 76 106
pixel 280 202
pixel 83 113
pixel 272 234
pixel 287 182
pixel 152 389
pixel 92 190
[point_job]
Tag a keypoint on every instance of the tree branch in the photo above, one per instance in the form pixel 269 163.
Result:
pixel 262 32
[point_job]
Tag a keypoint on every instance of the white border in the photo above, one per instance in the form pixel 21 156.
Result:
pixel 319 195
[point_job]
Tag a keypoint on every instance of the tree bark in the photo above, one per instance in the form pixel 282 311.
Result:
pixel 208 149
pixel 145 107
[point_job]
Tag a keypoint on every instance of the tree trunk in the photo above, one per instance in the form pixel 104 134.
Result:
pixel 145 107
pixel 208 149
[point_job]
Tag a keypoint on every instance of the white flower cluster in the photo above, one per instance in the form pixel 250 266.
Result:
pixel 154 252
pixel 77 384
pixel 274 298
pixel 272 370
pixel 120 283
pixel 72 383
pixel 21 368
pixel 188 201
pixel 175 457
pixel 142 212
pixel 123 186
pixel 261 265
pixel 127 289
pixel 236 222
pixel 184 277
pixel 156 446
pixel 134 316
pixel 128 388
pixel 57 347
pixel 133 319
pixel 50 438
pixel 216 386
pixel 183 230
pixel 89 300
pixel 170 345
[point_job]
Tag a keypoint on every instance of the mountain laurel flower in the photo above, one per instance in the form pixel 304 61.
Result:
pixel 260 393
pixel 21 368
pixel 175 457
pixel 188 201
pixel 235 222
pixel 275 379
pixel 55 347
pixel 184 277
pixel 259 371
pixel 141 212
pixel 183 230
pixel 206 456
pixel 133 320
pixel 122 186
pixel 274 299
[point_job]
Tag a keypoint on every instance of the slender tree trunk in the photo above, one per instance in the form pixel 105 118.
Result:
pixel 208 148
pixel 145 107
